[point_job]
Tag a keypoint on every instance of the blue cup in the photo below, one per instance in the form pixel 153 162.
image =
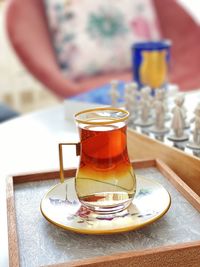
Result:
pixel 150 62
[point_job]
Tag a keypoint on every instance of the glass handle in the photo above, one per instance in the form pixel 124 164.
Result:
pixel 62 177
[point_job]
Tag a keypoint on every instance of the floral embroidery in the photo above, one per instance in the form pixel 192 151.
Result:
pixel 81 28
pixel 106 24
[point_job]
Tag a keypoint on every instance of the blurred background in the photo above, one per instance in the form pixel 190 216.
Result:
pixel 18 88
pixel 25 83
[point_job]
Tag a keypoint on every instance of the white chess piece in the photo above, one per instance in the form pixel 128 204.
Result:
pixel 160 109
pixel 159 130
pixel 114 94
pixel 145 103
pixel 163 97
pixel 178 120
pixel 134 93
pixel 127 101
pixel 130 97
pixel 131 102
pixel 145 108
pixel 186 124
pixel 196 132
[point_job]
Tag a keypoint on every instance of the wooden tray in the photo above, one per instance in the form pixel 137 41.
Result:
pixel 183 254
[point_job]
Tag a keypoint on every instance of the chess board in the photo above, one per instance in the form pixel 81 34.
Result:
pixel 102 96
pixel 191 100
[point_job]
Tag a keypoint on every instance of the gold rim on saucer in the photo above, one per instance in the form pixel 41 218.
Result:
pixel 61 207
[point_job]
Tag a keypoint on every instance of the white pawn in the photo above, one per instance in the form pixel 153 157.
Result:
pixel 134 93
pixel 114 94
pixel 127 102
pixel 145 103
pixel 131 88
pixel 131 103
pixel 130 96
pixel 145 108
pixel 160 110
pixel 178 121
pixel 186 124
pixel 195 144
pixel 196 134
pixel 164 100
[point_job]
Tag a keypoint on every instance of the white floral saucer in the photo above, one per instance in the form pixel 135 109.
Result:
pixel 61 207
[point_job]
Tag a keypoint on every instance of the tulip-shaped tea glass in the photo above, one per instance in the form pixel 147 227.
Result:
pixel 105 181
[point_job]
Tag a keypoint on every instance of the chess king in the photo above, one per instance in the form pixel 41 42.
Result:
pixel 153 69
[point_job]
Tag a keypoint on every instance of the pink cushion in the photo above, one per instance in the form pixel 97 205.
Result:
pixel 92 37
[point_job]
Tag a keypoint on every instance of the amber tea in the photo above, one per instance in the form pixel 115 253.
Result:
pixel 105 180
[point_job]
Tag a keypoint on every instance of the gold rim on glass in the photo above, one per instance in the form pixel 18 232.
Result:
pixel 111 120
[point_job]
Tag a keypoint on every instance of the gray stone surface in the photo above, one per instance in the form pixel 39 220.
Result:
pixel 41 243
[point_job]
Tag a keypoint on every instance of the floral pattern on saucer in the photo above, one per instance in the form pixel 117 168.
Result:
pixel 61 207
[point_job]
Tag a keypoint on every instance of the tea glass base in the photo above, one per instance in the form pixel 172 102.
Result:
pixel 107 209
pixel 61 207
